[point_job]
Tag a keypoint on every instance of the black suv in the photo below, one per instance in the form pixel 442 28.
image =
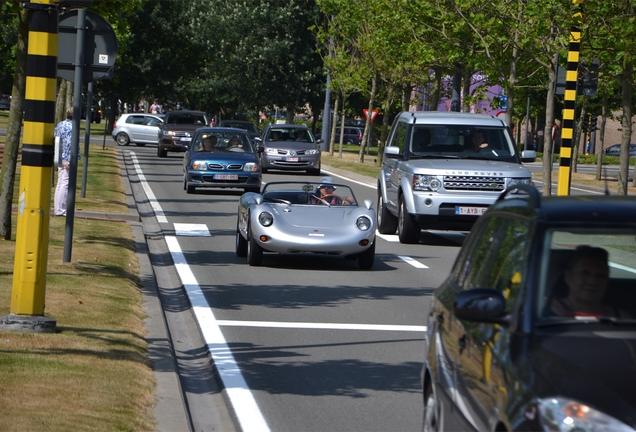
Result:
pixel 177 130
pixel 534 328
pixel 5 102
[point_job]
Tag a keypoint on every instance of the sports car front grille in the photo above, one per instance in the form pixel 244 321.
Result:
pixel 474 183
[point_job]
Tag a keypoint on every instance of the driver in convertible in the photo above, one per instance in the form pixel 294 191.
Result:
pixel 325 194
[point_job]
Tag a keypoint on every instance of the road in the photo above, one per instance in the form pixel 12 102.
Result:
pixel 304 342
pixel 319 344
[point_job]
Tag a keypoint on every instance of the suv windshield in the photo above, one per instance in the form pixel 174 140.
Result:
pixel 461 142
pixel 586 275
pixel 186 118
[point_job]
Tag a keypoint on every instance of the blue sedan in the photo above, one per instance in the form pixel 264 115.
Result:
pixel 221 158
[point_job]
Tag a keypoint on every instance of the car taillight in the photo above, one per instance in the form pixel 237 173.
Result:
pixel 359 136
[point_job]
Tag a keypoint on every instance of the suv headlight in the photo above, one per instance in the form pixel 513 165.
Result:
pixel 199 165
pixel 425 182
pixel 515 181
pixel 561 414
pixel 169 133
pixel 250 166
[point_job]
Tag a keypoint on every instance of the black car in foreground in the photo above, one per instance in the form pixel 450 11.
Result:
pixel 534 328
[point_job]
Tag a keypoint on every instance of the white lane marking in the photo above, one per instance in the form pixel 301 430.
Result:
pixel 322 326
pixel 161 217
pixel 388 237
pixel 411 261
pixel 199 230
pixel 622 267
pixel 243 403
pixel 350 179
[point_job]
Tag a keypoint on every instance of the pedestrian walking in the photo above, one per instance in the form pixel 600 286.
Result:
pixel 64 130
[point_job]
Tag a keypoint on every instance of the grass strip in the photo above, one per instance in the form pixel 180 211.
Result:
pixel 93 373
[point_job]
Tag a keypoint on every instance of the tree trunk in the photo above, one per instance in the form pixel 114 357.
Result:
pixel 547 130
pixel 623 170
pixel 368 125
pixel 332 138
pixel 14 129
pixel 437 88
pixel 342 125
pixel 601 140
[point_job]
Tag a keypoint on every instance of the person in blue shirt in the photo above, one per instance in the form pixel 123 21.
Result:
pixel 64 130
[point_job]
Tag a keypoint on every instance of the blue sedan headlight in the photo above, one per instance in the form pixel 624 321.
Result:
pixel 250 167
pixel 561 414
pixel 266 219
pixel 363 223
pixel 199 165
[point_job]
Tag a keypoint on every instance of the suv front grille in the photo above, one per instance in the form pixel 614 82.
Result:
pixel 474 183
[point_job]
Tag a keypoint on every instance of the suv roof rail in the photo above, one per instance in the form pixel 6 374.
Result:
pixel 534 199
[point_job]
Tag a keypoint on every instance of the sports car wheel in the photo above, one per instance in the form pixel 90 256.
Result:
pixel 387 223
pixel 254 251
pixel 122 139
pixel 408 229
pixel 430 416
pixel 241 243
pixel 366 258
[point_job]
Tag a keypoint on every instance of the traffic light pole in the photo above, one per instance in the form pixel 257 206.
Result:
pixel 34 204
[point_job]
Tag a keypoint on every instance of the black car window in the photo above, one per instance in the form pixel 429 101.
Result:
pixel 139 120
pixel 496 258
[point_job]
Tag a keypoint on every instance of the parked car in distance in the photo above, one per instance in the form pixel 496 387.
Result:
pixel 290 147
pixel 434 176
pixel 294 217
pixel 533 330
pixel 230 160
pixel 353 135
pixel 140 129
pixel 247 126
pixel 5 102
pixel 177 129
pixel 615 150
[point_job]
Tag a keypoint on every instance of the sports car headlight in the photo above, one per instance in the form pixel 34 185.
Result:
pixel 311 152
pixel 199 165
pixel 270 150
pixel 265 219
pixel 363 223
pixel 560 414
pixel 250 166
pixel 426 182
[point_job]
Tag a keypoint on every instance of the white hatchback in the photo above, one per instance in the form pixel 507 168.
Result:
pixel 140 129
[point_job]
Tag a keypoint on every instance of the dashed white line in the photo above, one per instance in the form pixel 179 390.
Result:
pixel 411 261
pixel 161 217
pixel 191 230
pixel 393 238
pixel 322 326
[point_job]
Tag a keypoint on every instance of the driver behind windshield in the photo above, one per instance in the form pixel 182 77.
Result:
pixel 325 194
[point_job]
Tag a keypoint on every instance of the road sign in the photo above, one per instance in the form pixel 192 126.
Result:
pixel 373 114
pixel 100 47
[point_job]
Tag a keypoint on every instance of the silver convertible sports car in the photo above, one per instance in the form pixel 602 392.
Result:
pixel 304 216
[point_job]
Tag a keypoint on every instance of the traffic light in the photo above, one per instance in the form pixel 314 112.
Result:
pixel 584 124
pixel 593 123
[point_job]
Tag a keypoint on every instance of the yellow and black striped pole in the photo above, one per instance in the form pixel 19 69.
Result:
pixel 34 205
pixel 569 110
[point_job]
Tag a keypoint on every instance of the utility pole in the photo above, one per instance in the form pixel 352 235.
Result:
pixel 569 110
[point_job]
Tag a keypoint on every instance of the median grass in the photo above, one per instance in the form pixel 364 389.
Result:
pixel 93 373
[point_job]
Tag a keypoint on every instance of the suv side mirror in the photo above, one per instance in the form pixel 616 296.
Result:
pixel 392 152
pixel 528 156
pixel 485 305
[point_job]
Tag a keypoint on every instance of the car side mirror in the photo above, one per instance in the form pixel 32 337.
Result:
pixel 319 141
pixel 392 152
pixel 258 139
pixel 528 156
pixel 484 305
pixel 260 149
pixel 368 204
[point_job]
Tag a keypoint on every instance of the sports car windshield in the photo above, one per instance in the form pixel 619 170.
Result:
pixel 309 193
pixel 588 276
